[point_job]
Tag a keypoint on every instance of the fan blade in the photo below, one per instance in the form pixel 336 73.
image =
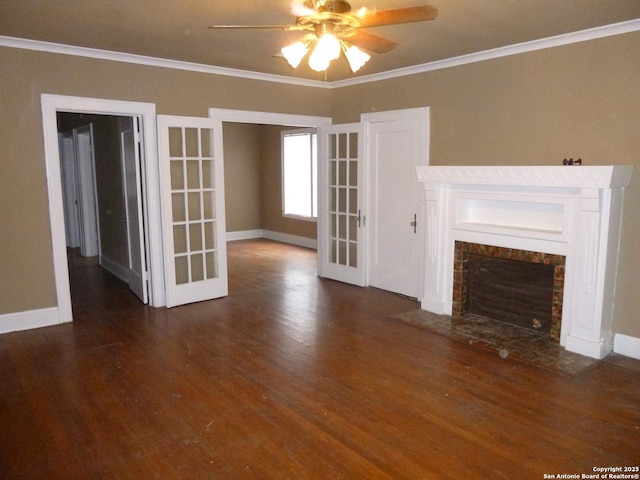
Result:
pixel 370 42
pixel 401 15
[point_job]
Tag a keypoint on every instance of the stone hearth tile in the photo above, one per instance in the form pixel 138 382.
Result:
pixel 518 343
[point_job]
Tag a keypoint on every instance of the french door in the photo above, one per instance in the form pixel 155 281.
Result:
pixel 193 210
pixel 341 219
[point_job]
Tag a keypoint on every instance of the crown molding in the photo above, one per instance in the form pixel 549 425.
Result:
pixel 62 49
pixel 516 49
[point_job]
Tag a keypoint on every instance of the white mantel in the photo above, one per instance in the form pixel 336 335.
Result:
pixel 573 211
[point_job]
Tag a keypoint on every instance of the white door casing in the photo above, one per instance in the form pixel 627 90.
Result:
pixel 132 183
pixel 397 142
pixel 51 104
pixel 193 209
pixel 341 217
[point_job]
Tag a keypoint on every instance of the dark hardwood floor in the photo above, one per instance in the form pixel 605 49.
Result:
pixel 291 377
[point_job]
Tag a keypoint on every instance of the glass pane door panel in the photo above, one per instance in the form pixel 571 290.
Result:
pixel 182 270
pixel 175 142
pixel 180 238
pixel 342 145
pixel 207 174
pixel 177 174
pixel 342 227
pixel 212 264
pixel 178 207
pixel 209 235
pixel 191 136
pixel 209 205
pixel 353 254
pixel 353 201
pixel 195 237
pixel 353 173
pixel 206 143
pixel 343 198
pixel 193 174
pixel 197 268
pixel 193 204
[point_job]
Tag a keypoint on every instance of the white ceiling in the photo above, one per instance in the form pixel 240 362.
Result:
pixel 177 29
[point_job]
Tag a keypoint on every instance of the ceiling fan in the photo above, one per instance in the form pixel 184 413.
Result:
pixel 332 28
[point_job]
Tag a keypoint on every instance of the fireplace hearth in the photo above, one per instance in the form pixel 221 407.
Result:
pixel 568 212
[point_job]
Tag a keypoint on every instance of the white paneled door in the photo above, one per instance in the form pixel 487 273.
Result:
pixel 193 210
pixel 397 143
pixel 341 219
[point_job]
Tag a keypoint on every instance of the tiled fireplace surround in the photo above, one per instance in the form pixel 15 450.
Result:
pixel 556 212
pixel 462 250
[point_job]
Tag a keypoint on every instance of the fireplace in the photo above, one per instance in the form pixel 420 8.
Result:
pixel 567 216
pixel 510 285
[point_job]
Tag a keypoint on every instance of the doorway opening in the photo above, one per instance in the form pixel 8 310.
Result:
pixel 102 188
pixel 252 151
pixel 150 198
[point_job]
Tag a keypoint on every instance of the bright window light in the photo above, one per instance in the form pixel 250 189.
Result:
pixel 299 173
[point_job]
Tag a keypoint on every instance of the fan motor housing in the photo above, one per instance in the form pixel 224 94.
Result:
pixel 334 6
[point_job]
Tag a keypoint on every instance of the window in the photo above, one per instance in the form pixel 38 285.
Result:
pixel 299 173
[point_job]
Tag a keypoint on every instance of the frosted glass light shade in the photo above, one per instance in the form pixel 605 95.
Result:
pixel 317 62
pixel 328 46
pixel 356 58
pixel 295 53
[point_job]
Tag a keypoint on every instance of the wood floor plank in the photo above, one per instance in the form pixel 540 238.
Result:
pixel 289 377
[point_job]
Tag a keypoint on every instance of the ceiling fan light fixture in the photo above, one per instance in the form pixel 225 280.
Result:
pixel 356 57
pixel 295 53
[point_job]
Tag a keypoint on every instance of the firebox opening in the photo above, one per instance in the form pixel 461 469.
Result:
pixel 511 291
pixel 514 286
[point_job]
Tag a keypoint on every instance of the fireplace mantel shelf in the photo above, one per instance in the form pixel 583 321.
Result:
pixel 574 211
pixel 599 176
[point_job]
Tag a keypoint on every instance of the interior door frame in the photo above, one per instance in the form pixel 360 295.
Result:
pixel 221 115
pixel 51 104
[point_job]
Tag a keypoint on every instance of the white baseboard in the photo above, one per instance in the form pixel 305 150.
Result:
pixel 626 345
pixel 276 236
pixel 114 267
pixel 292 239
pixel 13 322
pixel 244 235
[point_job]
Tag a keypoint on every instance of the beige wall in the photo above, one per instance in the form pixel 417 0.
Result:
pixel 580 100
pixel 242 176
